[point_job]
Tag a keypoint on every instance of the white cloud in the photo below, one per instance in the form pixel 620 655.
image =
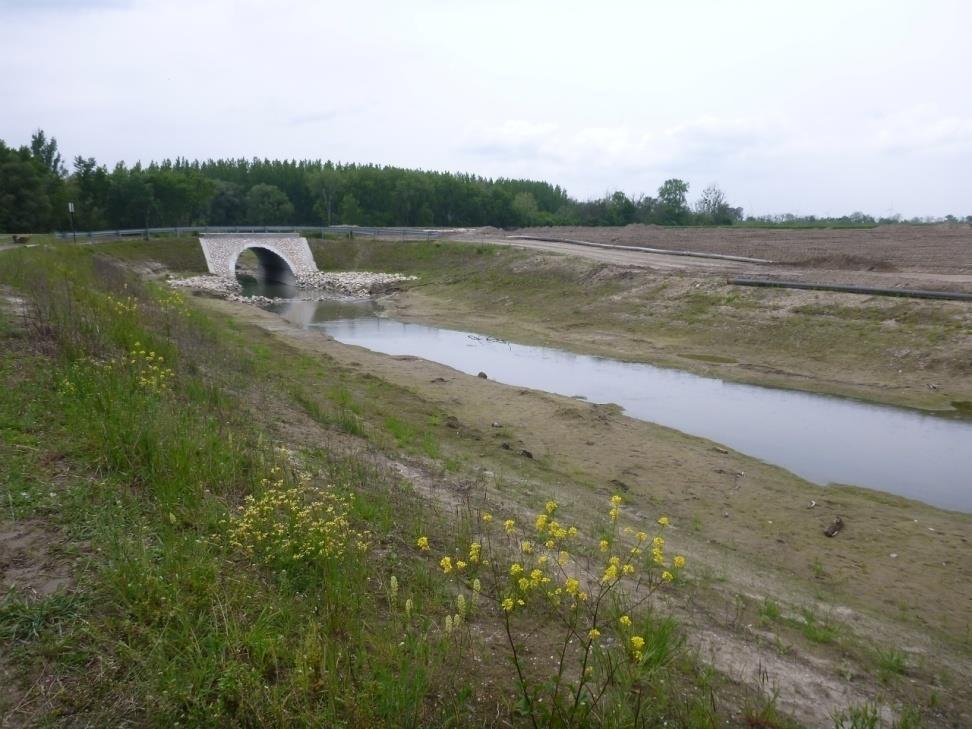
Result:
pixel 923 130
pixel 704 142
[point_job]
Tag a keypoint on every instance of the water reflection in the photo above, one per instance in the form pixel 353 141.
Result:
pixel 823 439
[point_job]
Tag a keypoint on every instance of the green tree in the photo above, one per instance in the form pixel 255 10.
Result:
pixel 268 205
pixel 350 211
pixel 45 151
pixel 620 209
pixel 325 186
pixel 227 205
pixel 712 208
pixel 525 209
pixel 25 205
pixel 671 207
pixel 90 189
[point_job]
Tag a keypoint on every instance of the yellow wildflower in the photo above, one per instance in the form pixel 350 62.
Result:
pixel 527 547
pixel 593 633
pixel 446 564
pixel 516 568
pixel 637 643
pixel 610 574
pixel 541 522
pixel 616 500
pixel 663 520
pixel 510 526
pixel 550 507
pixel 460 565
pixel 487 517
pixel 422 543
pixel 625 621
pixel 571 586
pixel 474 550
pixel 613 514
pixel 667 576
pixel 524 583
pixel 628 569
pixel 641 536
pixel 563 558
pixel 508 604
pixel 679 561
pixel 604 545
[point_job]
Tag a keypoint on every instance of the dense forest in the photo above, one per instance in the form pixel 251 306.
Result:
pixel 36 187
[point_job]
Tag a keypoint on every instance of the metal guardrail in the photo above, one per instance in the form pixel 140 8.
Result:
pixel 346 230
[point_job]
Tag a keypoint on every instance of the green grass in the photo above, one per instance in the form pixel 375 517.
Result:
pixel 183 254
pixel 891 663
pixel 23 619
pixel 816 631
pixel 769 611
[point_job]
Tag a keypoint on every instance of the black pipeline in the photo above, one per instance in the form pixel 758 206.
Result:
pixel 847 289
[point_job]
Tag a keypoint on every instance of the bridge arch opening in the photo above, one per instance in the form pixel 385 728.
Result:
pixel 263 271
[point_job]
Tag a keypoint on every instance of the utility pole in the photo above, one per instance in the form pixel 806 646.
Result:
pixel 74 232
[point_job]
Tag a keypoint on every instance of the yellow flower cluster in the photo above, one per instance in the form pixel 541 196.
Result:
pixel 149 369
pixel 173 301
pixel 288 525
pixel 122 306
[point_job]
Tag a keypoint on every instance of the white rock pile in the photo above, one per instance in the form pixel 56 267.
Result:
pixel 352 283
pixel 346 283
pixel 213 284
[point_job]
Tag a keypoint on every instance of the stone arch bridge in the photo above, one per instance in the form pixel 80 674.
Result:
pixel 281 258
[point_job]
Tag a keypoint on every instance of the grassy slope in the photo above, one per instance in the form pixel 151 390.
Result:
pixel 136 474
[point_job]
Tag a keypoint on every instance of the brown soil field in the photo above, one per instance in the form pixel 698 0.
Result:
pixel 944 248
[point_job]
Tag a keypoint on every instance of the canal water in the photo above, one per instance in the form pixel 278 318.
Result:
pixel 823 439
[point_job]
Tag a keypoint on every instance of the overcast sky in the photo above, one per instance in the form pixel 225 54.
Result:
pixel 807 107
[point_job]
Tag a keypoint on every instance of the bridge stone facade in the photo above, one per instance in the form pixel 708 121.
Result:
pixel 222 253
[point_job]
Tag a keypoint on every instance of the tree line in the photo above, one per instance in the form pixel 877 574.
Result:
pixel 36 187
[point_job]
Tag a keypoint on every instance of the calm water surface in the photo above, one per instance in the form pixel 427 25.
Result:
pixel 823 439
